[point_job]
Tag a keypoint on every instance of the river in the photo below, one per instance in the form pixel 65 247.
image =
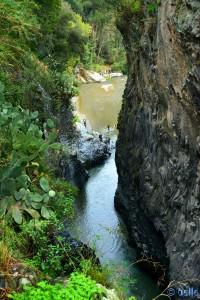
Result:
pixel 96 220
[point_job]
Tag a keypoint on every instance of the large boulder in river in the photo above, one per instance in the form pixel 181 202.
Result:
pixel 108 87
pixel 72 169
pixel 92 151
pixel 87 76
pixel 88 149
pixel 91 147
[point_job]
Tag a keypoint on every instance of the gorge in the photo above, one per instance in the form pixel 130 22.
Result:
pixel 48 48
pixel 96 220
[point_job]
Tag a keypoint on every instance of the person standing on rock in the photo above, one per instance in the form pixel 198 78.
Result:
pixel 85 123
pixel 108 127
pixel 76 70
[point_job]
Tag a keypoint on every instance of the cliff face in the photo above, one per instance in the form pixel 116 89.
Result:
pixel 158 149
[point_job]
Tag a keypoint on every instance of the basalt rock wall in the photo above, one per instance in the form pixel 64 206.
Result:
pixel 158 149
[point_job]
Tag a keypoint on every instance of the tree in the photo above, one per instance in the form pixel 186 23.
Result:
pixel 70 37
pixel 105 44
pixel 48 13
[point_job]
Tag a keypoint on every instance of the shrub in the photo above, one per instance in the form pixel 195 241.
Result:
pixel 18 28
pixel 63 205
pixel 120 66
pixel 76 119
pixel 79 287
pixel 98 273
pixel 129 7
pixel 24 188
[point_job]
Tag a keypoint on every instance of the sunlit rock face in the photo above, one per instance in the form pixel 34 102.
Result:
pixel 158 149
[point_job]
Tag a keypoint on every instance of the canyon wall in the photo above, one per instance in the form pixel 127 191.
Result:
pixel 158 149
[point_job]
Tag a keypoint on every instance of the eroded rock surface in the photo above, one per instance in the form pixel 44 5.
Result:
pixel 158 149
pixel 91 147
pixel 82 149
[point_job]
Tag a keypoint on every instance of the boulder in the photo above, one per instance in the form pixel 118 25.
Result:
pixel 91 147
pixel 110 294
pixel 87 76
pixel 108 87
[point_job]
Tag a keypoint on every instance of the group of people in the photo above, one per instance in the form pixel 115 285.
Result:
pixel 100 135
pixel 85 124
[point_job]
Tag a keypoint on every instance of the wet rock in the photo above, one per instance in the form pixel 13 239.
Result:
pixel 88 76
pixel 158 146
pixel 82 149
pixel 80 154
pixel 92 152
pixel 110 294
pixel 107 87
pixel 115 74
pixel 71 168
pixel 66 164
pixel 19 276
pixel 91 147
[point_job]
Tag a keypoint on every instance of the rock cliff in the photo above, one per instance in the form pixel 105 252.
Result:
pixel 82 149
pixel 158 149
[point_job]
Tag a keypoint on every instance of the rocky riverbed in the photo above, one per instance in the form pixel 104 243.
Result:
pixel 88 76
pixel 87 149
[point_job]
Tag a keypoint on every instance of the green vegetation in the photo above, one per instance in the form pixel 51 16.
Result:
pixel 78 287
pixel 33 202
pixel 76 119
pixel 18 27
pixel 33 205
pixel 41 42
pixel 109 275
pixel 24 191
pixel 105 44
pixel 32 54
pixel 135 10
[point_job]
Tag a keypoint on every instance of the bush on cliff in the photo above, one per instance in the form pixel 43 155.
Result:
pixel 78 287
pixel 24 187
pixel 32 201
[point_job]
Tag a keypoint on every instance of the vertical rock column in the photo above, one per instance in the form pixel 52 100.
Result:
pixel 158 149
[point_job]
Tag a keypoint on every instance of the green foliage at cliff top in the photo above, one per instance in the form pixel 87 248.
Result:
pixel 18 28
pixel 40 40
